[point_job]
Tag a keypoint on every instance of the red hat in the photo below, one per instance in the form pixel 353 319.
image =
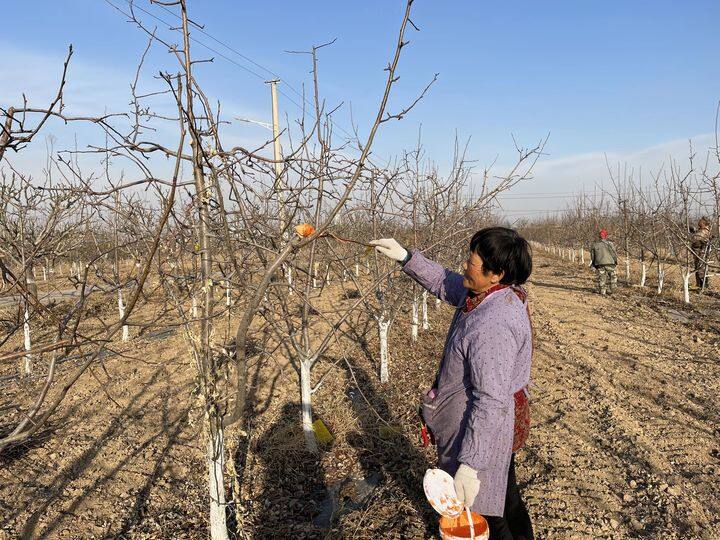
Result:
pixel 603 233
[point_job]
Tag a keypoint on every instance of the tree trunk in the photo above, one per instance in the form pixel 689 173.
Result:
pixel 425 322
pixel 627 268
pixel 686 285
pixel 383 327
pixel 643 274
pixel 216 475
pixel 121 310
pixel 227 292
pixel 415 319
pixel 306 406
pixel 357 270
pixel 27 364
pixel 661 278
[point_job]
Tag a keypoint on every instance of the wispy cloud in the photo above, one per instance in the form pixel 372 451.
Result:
pixel 555 181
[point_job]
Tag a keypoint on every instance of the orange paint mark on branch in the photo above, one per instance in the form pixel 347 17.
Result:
pixel 304 230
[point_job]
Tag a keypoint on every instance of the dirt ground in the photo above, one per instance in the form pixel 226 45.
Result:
pixel 625 440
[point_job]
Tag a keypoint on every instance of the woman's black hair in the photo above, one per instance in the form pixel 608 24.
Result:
pixel 503 250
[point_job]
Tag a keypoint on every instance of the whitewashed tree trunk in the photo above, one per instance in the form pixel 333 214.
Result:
pixel 383 327
pixel 582 256
pixel 415 319
pixel 193 311
pixel 121 311
pixel 306 406
pixel 27 364
pixel 686 285
pixel 357 270
pixel 572 255
pixel 643 274
pixel 227 292
pixel 216 474
pixel 44 274
pixel 316 270
pixel 425 322
pixel 288 270
pixel 627 268
pixel 327 274
pixel 661 278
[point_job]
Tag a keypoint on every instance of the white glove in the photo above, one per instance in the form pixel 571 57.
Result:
pixel 467 484
pixel 390 248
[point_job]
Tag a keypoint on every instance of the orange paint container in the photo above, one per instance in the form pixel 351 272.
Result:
pixel 456 523
pixel 458 528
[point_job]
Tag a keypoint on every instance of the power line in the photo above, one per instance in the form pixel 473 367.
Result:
pixel 208 47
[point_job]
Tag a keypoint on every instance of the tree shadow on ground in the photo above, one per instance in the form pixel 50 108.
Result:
pixel 74 469
pixel 291 484
pixel 399 462
pixel 563 287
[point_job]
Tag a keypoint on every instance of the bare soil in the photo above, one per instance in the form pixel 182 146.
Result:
pixel 625 440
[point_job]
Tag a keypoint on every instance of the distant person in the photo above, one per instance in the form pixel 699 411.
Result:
pixel 478 406
pixel 603 258
pixel 699 242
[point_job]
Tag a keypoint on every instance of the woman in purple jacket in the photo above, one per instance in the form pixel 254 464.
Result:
pixel 477 408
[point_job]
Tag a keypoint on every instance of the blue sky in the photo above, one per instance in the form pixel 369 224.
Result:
pixel 631 79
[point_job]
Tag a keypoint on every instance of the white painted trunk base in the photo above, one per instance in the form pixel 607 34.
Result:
pixel 425 322
pixel 643 274
pixel 121 311
pixel 686 286
pixel 661 278
pixel 415 320
pixel 306 406
pixel 27 362
pixel 216 474
pixel 383 327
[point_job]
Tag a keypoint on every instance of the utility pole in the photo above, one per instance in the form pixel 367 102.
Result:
pixel 278 172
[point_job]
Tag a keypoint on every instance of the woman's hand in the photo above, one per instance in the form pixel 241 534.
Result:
pixel 467 484
pixel 390 248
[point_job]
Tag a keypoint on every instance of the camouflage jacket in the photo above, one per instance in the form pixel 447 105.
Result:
pixel 700 239
pixel 603 253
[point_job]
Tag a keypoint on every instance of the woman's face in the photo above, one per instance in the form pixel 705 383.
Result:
pixel 475 279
